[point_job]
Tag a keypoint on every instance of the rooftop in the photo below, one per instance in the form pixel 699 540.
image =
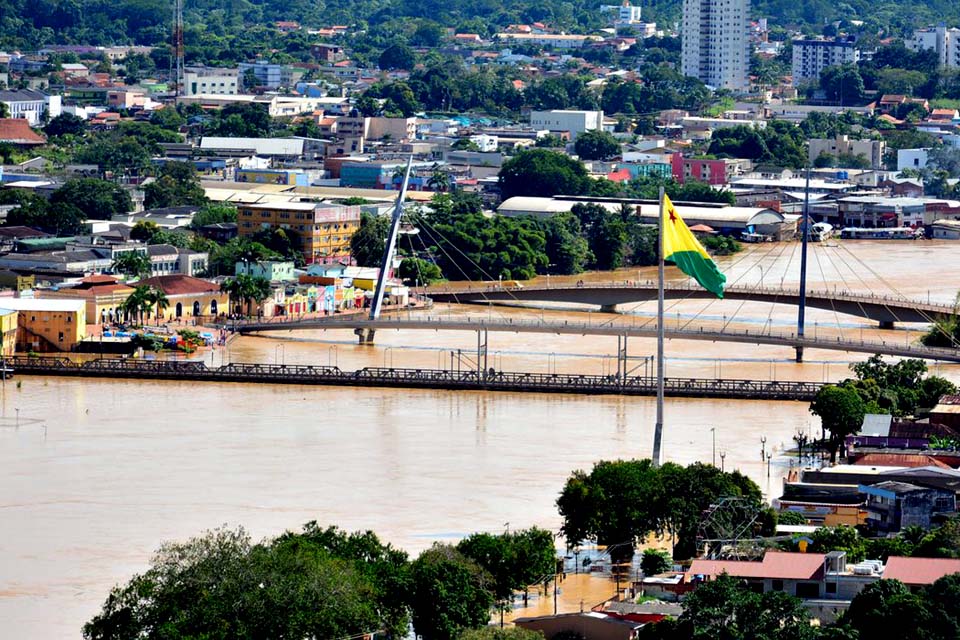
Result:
pixel 918 571
pixel 180 285
pixel 42 304
pixel 776 564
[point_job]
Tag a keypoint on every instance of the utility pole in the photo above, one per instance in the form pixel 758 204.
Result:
pixel 177 46
pixel 805 226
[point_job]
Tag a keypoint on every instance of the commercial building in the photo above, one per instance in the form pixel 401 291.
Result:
pixel 321 231
pixel 562 120
pixel 714 45
pixel 893 506
pixel 48 325
pixel 210 81
pixel 272 270
pixel 31 105
pixel 552 40
pixel 946 42
pixel 267 74
pixel 103 296
pixel 811 57
pixel 714 171
pixel 8 329
pixel 188 297
pixel 872 150
pixel 624 13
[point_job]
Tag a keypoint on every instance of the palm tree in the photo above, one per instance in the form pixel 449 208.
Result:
pixel 157 300
pixel 132 263
pixel 248 290
pixel 439 181
pixel 137 303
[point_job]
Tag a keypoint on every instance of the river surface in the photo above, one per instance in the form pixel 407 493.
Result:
pixel 95 474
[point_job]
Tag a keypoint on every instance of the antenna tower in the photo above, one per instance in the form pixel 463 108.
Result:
pixel 177 47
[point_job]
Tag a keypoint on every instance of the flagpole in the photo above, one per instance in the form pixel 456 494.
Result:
pixel 658 428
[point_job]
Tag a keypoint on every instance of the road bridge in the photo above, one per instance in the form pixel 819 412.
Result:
pixel 482 325
pixel 884 310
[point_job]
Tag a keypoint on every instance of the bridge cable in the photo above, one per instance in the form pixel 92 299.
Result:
pixel 931 319
pixel 738 279
pixel 756 288
pixel 823 276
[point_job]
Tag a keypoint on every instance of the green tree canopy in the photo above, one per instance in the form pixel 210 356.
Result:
pixel 177 185
pixel 841 412
pixel 514 560
pixel 97 199
pixel 542 172
pixel 369 242
pixel 450 593
pixel 596 145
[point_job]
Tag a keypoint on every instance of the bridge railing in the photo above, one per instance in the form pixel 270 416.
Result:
pixel 843 295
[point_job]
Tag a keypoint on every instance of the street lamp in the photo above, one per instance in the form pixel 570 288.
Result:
pixel 763 448
pixel 801 439
pixel 723 457
pixel 769 458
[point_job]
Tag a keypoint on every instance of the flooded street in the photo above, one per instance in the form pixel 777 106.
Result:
pixel 95 474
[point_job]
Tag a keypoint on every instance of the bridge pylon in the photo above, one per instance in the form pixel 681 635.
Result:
pixel 365 334
pixel 799 357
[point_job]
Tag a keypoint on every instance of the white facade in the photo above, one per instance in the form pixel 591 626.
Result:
pixel 912 159
pixel 624 13
pixel 715 48
pixel 221 82
pixel 269 75
pixel 485 143
pixel 31 105
pixel 946 42
pixel 872 150
pixel 576 122
pixel 811 57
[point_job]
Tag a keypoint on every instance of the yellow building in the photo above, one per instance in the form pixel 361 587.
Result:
pixel 8 328
pixel 46 324
pixel 322 231
pixel 189 297
pixel 104 296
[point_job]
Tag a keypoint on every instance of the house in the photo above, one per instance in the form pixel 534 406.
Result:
pixel 946 229
pixel 892 506
pixel 272 270
pixel 17 132
pixel 189 297
pixel 328 52
pixel 48 325
pixel 919 572
pixel 591 625
pixel 574 122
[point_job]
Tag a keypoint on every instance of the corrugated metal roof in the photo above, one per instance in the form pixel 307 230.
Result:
pixel 776 564
pixel 918 571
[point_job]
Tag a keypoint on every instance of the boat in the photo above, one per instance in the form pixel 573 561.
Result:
pixel 755 237
pixel 821 231
pixel 882 233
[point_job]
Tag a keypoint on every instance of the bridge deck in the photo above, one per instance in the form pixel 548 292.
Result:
pixel 412 378
pixel 885 309
pixel 467 323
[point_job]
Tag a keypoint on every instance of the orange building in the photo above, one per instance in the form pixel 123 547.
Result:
pixel 322 231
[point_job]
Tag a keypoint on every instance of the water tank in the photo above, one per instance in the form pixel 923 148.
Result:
pixel 842 175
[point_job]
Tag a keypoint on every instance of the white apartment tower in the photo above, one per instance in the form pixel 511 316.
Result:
pixel 811 57
pixel 946 42
pixel 714 44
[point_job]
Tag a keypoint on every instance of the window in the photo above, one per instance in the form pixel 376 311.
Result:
pixel 831 587
pixel 776 585
pixel 808 590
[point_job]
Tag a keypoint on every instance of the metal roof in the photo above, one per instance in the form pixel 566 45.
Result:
pixel 262 146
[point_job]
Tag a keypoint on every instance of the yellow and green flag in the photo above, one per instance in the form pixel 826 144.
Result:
pixel 683 249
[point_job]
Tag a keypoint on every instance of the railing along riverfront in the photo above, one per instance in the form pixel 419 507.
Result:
pixel 462 379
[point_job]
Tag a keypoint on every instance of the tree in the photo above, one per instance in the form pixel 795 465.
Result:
pixel 97 199
pixel 242 120
pixel 723 610
pixel 450 593
pixel 942 542
pixel 369 241
pixel 621 502
pixel 507 633
pixel 596 145
pixel 221 585
pixel 887 609
pixel 145 231
pixel 36 212
pixel 840 538
pixel 397 56
pixel 131 263
pixel 439 181
pixel 843 84
pixel 841 412
pixel 515 560
pixel 137 303
pixel 654 561
pixel 177 185
pixel 246 290
pixel 158 302
pixel 542 172
pixel 567 250
pixel 66 124
pixel 213 214
pixel 418 272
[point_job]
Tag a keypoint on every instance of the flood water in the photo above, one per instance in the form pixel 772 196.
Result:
pixel 95 474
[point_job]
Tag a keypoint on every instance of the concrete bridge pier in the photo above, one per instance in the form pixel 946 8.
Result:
pixel 799 351
pixel 886 324
pixel 365 335
pixel 608 308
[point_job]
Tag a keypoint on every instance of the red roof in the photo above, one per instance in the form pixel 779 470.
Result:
pixel 899 460
pixel 777 565
pixel 179 285
pixel 916 571
pixel 18 131
pixel 621 175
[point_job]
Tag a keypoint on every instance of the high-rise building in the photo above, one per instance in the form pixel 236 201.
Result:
pixel 946 42
pixel 811 57
pixel 714 44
